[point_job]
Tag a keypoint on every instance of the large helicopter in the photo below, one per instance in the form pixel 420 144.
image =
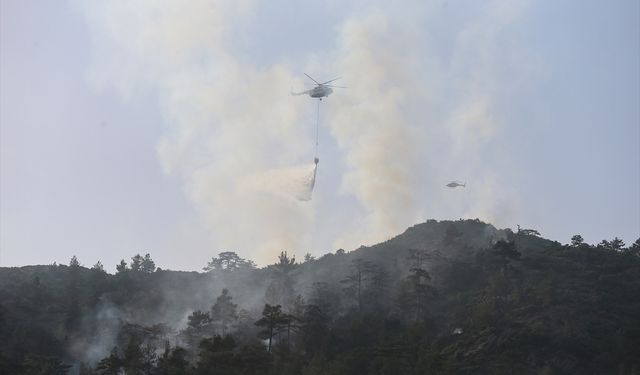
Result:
pixel 321 90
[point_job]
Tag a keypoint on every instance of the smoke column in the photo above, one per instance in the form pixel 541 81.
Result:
pixel 419 112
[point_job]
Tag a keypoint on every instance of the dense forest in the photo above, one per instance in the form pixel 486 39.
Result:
pixel 449 297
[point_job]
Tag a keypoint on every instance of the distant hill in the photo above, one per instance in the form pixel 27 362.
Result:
pixel 448 297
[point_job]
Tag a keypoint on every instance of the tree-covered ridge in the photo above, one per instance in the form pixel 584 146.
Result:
pixel 442 298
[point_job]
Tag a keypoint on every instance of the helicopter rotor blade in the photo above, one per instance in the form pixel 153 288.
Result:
pixel 335 79
pixel 312 79
pixel 339 87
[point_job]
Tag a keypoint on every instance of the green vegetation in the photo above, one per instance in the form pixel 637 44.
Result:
pixel 442 298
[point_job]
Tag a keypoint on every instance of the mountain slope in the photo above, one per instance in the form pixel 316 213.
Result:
pixel 449 297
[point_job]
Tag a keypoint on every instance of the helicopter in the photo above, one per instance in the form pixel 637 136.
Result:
pixel 454 184
pixel 321 90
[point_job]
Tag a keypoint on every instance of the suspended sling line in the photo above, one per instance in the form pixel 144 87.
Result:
pixel 317 126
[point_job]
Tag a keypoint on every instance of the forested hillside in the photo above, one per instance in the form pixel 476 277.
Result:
pixel 450 297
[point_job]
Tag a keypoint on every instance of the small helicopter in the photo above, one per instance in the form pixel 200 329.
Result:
pixel 321 90
pixel 454 184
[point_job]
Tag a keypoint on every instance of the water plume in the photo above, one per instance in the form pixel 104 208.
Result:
pixel 287 183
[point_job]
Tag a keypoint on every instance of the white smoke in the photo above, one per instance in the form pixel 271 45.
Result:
pixel 226 120
pixel 373 125
pixel 420 110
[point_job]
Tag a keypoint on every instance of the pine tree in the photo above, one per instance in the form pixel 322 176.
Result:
pixel 217 356
pixel 577 241
pixel 634 249
pixel 122 267
pixel 147 265
pixel 173 361
pixel 272 320
pixel 280 290
pixel 199 325
pixel 285 263
pixel 136 263
pixel 133 357
pixel 96 283
pixel 110 365
pixel 74 263
pixel 614 245
pixel 73 313
pixel 356 281
pixel 326 298
pixel 229 261
pixel 98 267
pixel 314 327
pixel 415 290
pixel 224 311
pixel 617 244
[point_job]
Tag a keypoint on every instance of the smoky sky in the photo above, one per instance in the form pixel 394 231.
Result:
pixel 188 101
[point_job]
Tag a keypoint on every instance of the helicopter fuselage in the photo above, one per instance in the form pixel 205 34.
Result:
pixel 320 91
pixel 455 184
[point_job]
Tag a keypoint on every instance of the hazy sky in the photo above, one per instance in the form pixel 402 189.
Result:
pixel 129 126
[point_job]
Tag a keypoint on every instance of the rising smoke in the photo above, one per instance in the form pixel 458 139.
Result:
pixel 420 110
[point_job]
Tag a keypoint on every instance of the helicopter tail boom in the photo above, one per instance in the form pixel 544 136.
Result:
pixel 300 93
